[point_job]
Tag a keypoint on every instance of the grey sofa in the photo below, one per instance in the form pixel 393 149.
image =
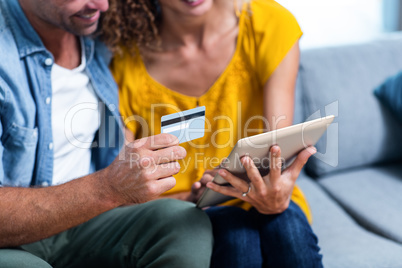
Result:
pixel 354 183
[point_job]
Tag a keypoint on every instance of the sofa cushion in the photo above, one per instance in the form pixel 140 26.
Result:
pixel 372 195
pixel 340 81
pixel 390 94
pixel 343 242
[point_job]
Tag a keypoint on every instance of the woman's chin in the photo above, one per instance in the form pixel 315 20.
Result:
pixel 196 7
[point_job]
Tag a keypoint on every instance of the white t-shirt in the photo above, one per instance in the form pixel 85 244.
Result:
pixel 75 120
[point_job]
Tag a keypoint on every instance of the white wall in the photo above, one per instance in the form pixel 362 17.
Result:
pixel 335 22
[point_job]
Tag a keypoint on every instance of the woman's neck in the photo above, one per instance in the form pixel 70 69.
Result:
pixel 178 30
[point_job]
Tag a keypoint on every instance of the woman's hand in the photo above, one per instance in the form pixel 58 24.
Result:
pixel 269 194
pixel 198 188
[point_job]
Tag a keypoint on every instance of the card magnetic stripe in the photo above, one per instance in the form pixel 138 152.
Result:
pixel 182 118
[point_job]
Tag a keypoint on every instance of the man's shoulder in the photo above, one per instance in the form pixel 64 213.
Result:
pixel 11 72
pixel 9 63
pixel 3 24
pixel 4 19
pixel 8 48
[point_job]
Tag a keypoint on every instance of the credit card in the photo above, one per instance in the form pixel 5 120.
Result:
pixel 186 125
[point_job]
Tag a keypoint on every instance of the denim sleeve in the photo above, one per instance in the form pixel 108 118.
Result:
pixel 18 140
pixel 2 101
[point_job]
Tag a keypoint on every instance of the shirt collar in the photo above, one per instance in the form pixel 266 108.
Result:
pixel 26 38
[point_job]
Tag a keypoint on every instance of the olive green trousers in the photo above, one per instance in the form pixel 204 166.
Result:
pixel 161 233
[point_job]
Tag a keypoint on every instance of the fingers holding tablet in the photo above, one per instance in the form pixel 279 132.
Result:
pixel 275 164
pixel 269 194
pixel 238 185
pixel 282 146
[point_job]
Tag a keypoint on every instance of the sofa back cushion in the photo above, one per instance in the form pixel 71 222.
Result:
pixel 340 81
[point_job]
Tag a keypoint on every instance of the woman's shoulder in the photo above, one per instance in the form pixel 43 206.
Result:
pixel 270 15
pixel 267 6
pixel 270 31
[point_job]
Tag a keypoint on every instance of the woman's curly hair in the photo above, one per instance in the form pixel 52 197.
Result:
pixel 134 24
pixel 131 24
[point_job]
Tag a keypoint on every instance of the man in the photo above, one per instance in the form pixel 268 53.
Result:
pixel 54 83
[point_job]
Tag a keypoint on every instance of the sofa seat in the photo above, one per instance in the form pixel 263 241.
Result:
pixel 372 195
pixel 343 242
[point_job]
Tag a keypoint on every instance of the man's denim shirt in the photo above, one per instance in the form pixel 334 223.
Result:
pixel 26 147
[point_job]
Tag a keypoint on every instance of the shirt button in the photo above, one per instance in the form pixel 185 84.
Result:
pixel 112 107
pixel 45 184
pixel 48 100
pixel 51 146
pixel 48 62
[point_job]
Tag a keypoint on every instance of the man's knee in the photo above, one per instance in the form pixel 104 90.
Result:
pixel 14 258
pixel 179 216
pixel 180 234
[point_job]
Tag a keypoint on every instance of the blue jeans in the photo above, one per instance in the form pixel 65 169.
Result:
pixel 251 239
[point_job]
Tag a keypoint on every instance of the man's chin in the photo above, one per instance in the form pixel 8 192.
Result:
pixel 84 31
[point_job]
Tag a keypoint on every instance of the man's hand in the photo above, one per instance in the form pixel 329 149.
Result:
pixel 269 194
pixel 144 169
pixel 198 188
pixel 140 173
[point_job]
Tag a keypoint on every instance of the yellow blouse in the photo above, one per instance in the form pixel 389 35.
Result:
pixel 234 103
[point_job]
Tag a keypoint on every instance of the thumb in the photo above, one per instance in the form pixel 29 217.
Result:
pixel 301 160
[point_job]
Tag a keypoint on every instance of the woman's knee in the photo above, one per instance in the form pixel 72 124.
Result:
pixel 237 240
pixel 288 240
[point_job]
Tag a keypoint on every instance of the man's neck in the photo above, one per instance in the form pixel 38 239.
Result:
pixel 65 48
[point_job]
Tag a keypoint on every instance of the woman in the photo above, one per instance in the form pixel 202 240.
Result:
pixel 240 60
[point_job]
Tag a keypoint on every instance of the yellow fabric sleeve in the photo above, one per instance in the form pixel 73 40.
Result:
pixel 275 32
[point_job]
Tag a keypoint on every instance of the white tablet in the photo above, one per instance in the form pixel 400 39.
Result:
pixel 291 140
